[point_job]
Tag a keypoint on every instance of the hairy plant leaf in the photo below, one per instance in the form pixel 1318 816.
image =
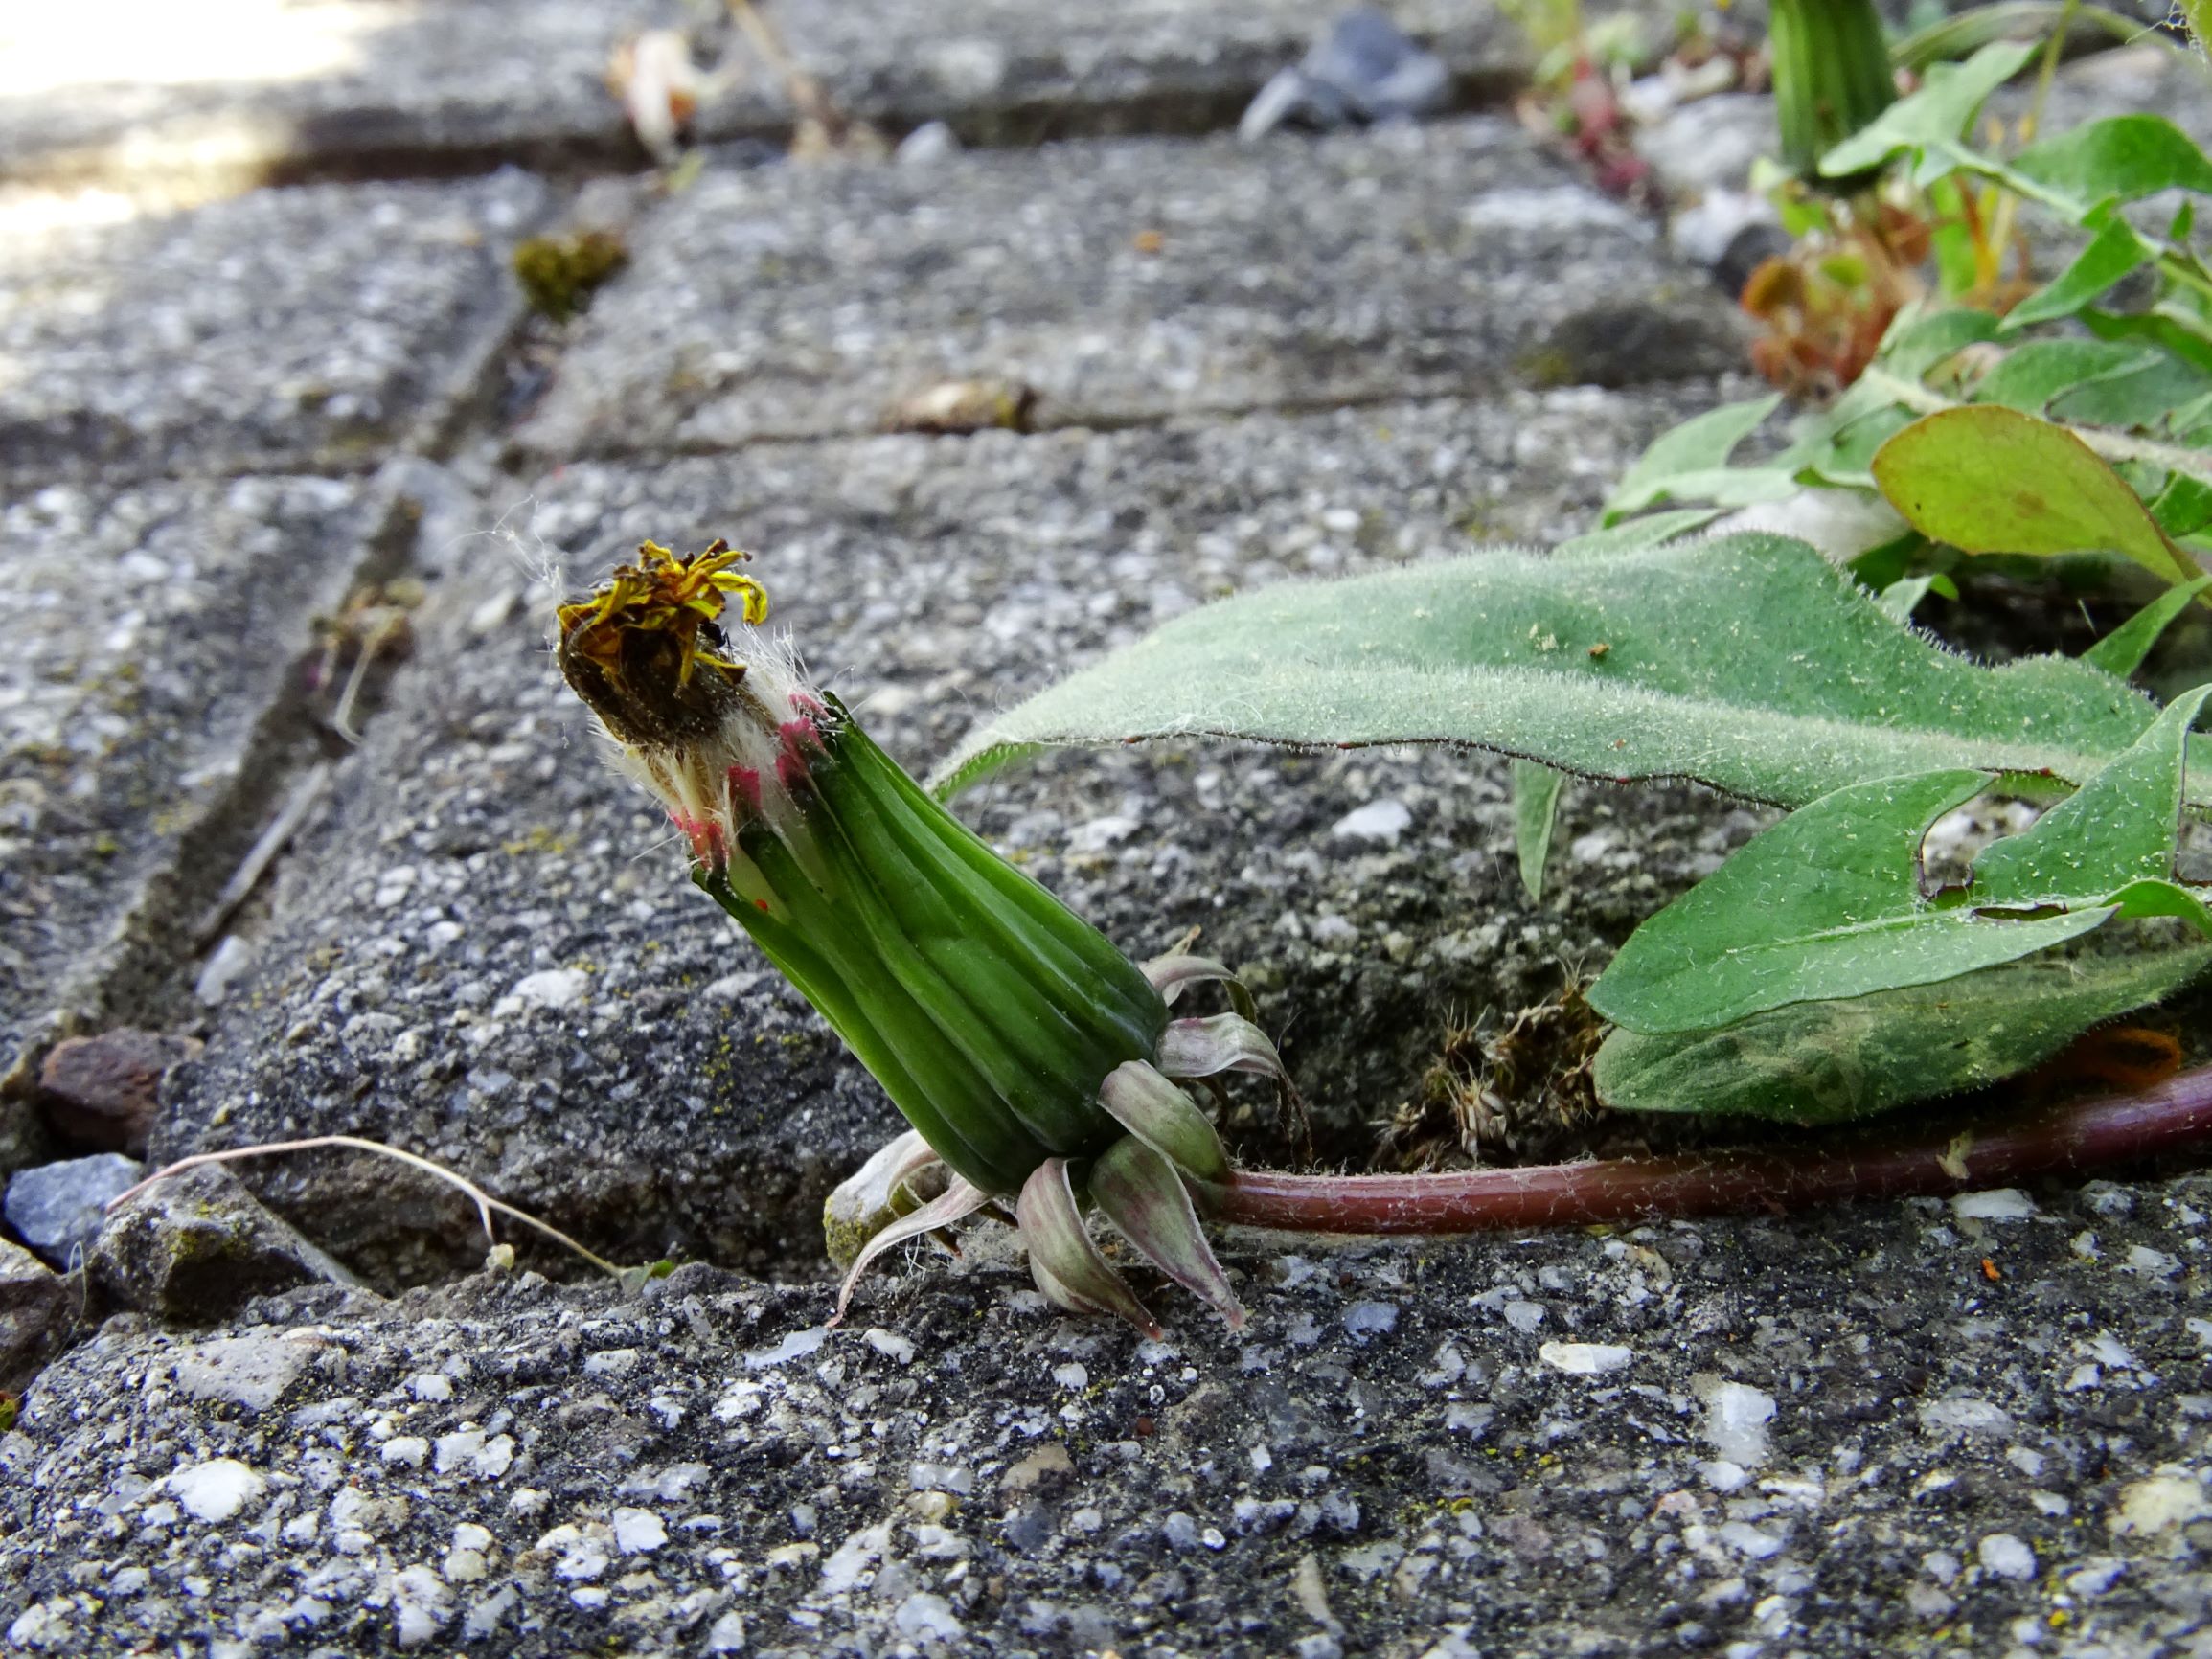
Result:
pixel 2032 375
pixel 1825 904
pixel 2122 651
pixel 1536 810
pixel 2192 345
pixel 2122 826
pixel 2122 156
pixel 1691 463
pixel 1931 119
pixel 1992 479
pixel 1819 1062
pixel 1747 662
pixel 2112 253
pixel 2184 506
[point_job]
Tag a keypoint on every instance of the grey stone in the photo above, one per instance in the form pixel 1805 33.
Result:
pixel 353 88
pixel 101 1091
pixel 1417 261
pixel 1363 67
pixel 148 708
pixel 492 955
pixel 34 1307
pixel 291 329
pixel 810 1499
pixel 195 1246
pixel 57 1209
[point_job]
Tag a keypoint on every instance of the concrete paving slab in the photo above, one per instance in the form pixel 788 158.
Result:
pixel 1125 281
pixel 1882 1428
pixel 240 92
pixel 493 956
pixel 149 683
pixel 308 330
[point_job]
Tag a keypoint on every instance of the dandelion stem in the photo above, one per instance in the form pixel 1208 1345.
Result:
pixel 2069 1139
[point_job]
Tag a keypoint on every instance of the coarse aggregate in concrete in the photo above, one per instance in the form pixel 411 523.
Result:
pixel 246 90
pixel 1128 280
pixel 304 330
pixel 154 675
pixel 1978 1426
pixel 492 955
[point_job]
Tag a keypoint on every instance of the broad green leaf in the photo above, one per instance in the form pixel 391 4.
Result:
pixel 2122 825
pixel 1964 32
pixel 2122 156
pixel 1825 904
pixel 1647 531
pixel 1747 662
pixel 1820 1062
pixel 1686 461
pixel 2168 333
pixel 1913 346
pixel 2122 651
pixel 1933 116
pixel 2139 400
pixel 1992 479
pixel 2183 507
pixel 2112 253
pixel 2032 375
pixel 2157 897
pixel 1536 810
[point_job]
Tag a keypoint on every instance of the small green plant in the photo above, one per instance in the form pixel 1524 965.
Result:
pixel 1799 974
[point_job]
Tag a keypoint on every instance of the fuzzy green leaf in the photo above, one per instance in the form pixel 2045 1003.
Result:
pixel 2112 253
pixel 1747 662
pixel 2122 651
pixel 1647 531
pixel 2122 826
pixel 1992 479
pixel 1691 463
pixel 1820 1062
pixel 2142 398
pixel 1536 810
pixel 2122 156
pixel 1933 118
pixel 1826 905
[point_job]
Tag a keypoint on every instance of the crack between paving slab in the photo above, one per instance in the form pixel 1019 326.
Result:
pixel 260 160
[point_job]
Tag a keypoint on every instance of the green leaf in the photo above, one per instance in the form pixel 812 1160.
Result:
pixel 2122 825
pixel 1536 810
pixel 2190 345
pixel 1933 116
pixel 1745 662
pixel 1913 346
pixel 2184 506
pixel 1820 1062
pixel 1691 461
pixel 1992 479
pixel 2122 156
pixel 2121 653
pixel 2032 375
pixel 1826 905
pixel 1906 594
pixel 2112 253
pixel 2139 400
pixel 1647 531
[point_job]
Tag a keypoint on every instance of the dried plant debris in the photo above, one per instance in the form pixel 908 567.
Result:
pixel 1500 1094
pixel 957 406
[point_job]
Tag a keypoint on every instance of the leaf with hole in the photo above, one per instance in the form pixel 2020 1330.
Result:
pixel 1827 903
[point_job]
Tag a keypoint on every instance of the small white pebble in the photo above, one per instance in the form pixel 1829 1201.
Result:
pixel 1587 1358
pixel 2007 1557
pixel 890 1345
pixel 408 1450
pixel 638 1532
pixel 216 1490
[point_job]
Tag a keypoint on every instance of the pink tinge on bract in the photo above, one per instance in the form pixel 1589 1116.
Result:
pixel 1143 1195
pixel 1064 1260
pixel 957 1201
